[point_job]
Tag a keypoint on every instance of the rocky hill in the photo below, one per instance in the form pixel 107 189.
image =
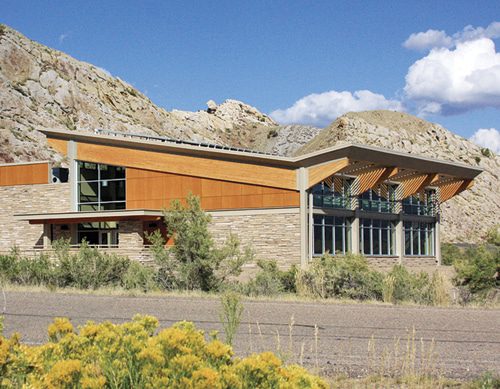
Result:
pixel 465 217
pixel 44 88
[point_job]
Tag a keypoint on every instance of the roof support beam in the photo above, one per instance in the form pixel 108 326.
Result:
pixel 431 178
pixel 319 173
pixel 411 185
pixel 370 178
pixel 451 189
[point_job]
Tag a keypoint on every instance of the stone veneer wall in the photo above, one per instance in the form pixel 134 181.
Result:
pixel 130 234
pixel 412 263
pixel 21 199
pixel 272 235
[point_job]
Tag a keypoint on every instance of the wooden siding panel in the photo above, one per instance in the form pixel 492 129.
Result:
pixel 156 190
pixel 59 145
pixel 25 174
pixel 319 173
pixel 189 166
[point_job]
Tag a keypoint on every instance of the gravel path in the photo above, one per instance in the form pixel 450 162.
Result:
pixel 351 338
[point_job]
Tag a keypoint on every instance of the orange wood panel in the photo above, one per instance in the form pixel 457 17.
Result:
pixel 59 145
pixel 453 188
pixel 319 173
pixel 156 190
pixel 26 174
pixel 189 165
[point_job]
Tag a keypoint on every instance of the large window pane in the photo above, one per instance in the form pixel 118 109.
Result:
pixel 330 235
pixel 376 241
pixel 329 240
pixel 408 241
pixel 99 185
pixel 367 249
pixel 339 239
pixel 88 171
pixel 111 172
pixel 385 242
pixel 88 192
pixel 318 240
pixel 112 190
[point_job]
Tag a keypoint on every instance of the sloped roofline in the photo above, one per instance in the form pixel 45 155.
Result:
pixel 353 151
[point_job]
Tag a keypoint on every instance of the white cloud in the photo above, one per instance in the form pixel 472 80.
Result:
pixel 487 137
pixel 471 33
pixel 425 40
pixel 431 39
pixel 321 109
pixel 456 80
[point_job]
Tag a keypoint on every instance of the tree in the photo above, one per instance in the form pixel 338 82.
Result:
pixel 194 261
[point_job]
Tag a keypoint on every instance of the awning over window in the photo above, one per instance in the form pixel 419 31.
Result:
pixel 95 216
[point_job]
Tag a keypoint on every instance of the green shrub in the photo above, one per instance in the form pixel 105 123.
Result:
pixel 139 277
pixel 39 270
pixel 92 269
pixel 230 315
pixel 271 281
pixel 166 277
pixel 194 262
pixel 486 152
pixel 407 286
pixel 478 270
pixel 493 235
pixel 449 253
pixel 346 276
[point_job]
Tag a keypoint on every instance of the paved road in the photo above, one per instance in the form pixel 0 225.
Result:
pixel 353 338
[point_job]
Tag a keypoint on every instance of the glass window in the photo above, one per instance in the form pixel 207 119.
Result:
pixel 332 193
pixel 419 239
pixel 423 204
pixel 331 235
pixel 377 237
pixel 100 187
pixel 98 233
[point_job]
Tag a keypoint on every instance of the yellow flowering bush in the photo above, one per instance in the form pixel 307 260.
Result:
pixel 133 355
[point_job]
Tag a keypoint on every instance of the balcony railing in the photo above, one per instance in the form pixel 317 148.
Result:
pixel 419 209
pixel 329 201
pixel 382 206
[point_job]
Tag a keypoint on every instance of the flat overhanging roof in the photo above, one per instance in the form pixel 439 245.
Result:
pixel 348 150
pixel 93 216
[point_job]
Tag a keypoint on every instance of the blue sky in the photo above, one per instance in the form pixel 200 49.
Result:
pixel 273 54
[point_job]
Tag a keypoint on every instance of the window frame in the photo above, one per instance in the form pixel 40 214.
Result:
pixel 345 227
pixel 414 228
pixel 373 232
pixel 99 205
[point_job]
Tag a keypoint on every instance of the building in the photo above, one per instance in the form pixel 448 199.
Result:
pixel 348 198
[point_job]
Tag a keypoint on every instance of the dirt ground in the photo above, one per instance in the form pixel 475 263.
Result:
pixel 351 338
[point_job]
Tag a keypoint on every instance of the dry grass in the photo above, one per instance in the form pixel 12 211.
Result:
pixel 286 297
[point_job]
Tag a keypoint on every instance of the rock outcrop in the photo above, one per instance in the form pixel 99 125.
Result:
pixel 45 88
